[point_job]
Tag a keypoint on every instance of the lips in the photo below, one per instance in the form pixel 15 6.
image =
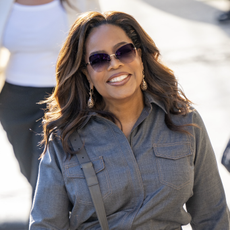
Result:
pixel 119 78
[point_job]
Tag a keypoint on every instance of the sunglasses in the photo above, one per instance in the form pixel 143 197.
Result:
pixel 100 61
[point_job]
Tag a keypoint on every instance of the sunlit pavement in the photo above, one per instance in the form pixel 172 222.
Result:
pixel 195 46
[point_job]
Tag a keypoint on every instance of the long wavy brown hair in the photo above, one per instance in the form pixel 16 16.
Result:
pixel 67 106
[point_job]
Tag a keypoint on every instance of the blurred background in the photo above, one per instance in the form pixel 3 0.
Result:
pixel 195 45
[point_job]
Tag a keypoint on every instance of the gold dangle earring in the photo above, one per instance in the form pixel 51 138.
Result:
pixel 90 101
pixel 144 85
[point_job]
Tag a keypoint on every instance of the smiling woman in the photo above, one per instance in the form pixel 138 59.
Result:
pixel 149 148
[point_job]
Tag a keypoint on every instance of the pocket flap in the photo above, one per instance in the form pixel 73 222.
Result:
pixel 172 151
pixel 75 170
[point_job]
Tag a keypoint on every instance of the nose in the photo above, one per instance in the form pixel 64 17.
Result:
pixel 114 63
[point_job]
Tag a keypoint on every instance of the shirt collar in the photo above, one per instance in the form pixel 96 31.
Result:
pixel 150 99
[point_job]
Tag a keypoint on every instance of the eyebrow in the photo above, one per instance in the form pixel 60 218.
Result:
pixel 103 51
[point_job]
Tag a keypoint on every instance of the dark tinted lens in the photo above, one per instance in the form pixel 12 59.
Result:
pixel 99 61
pixel 126 53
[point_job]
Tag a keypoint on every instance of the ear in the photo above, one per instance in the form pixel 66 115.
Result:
pixel 139 51
pixel 85 72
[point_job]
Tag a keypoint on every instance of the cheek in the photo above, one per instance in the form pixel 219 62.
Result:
pixel 97 78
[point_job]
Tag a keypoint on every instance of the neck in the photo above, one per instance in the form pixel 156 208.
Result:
pixel 127 111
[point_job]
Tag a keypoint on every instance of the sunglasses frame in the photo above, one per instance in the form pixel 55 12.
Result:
pixel 111 55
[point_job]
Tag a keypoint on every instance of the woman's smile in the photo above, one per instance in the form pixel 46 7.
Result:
pixel 118 80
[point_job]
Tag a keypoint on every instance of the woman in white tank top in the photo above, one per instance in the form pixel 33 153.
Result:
pixel 33 32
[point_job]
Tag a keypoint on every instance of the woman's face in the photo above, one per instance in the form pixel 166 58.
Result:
pixel 118 81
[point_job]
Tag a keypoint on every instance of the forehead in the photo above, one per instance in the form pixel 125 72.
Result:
pixel 105 37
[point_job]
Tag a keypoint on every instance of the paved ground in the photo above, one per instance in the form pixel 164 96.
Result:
pixel 192 44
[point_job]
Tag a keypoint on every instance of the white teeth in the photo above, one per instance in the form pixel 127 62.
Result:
pixel 120 78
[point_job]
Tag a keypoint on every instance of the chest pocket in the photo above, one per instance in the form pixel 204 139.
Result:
pixel 76 180
pixel 174 164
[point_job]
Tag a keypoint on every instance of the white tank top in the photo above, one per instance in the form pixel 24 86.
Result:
pixel 34 36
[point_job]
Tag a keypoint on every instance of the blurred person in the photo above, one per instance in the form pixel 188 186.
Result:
pixel 33 32
pixel 148 146
pixel 225 16
pixel 226 157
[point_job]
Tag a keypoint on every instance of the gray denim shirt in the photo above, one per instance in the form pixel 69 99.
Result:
pixel 148 181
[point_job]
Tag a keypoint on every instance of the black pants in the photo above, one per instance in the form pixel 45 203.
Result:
pixel 20 116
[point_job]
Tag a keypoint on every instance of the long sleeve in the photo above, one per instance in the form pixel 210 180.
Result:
pixel 207 206
pixel 51 205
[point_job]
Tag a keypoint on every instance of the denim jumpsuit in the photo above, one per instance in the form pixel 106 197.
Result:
pixel 156 179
